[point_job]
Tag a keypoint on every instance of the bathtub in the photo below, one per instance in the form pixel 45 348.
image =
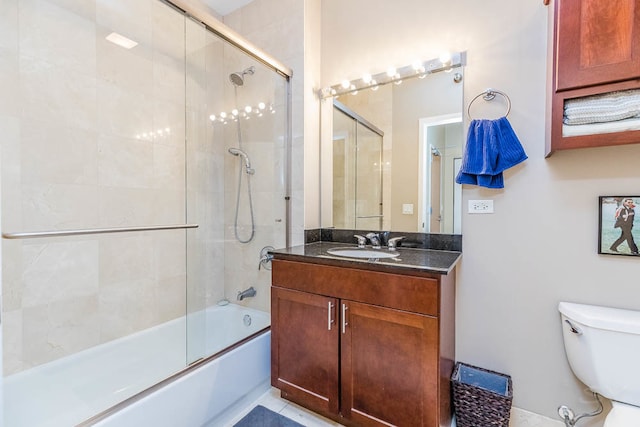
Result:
pixel 73 389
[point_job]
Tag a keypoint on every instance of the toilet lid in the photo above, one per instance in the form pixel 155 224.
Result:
pixel 623 415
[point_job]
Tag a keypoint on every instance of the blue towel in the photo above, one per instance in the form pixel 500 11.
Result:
pixel 492 147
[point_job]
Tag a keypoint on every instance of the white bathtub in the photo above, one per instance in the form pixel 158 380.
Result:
pixel 68 391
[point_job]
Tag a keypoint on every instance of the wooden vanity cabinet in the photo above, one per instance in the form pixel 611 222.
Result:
pixel 596 50
pixel 365 348
pixel 304 349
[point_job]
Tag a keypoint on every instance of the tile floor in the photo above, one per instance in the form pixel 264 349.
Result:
pixel 271 400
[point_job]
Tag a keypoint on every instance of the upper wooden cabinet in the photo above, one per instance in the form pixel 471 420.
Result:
pixel 596 50
pixel 597 42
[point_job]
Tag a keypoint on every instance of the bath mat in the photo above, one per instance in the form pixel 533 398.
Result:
pixel 263 417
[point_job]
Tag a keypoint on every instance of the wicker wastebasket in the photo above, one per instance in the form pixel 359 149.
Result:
pixel 481 398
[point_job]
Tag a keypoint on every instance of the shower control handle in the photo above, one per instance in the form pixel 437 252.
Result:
pixel 330 320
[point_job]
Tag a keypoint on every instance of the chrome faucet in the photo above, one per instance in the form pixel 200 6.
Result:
pixel 374 238
pixel 393 242
pixel 251 292
pixel 362 241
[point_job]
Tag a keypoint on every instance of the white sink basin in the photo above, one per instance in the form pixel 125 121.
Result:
pixel 362 253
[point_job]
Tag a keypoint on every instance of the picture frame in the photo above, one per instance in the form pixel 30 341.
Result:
pixel 618 227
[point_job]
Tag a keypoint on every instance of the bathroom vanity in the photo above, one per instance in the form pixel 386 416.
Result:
pixel 366 342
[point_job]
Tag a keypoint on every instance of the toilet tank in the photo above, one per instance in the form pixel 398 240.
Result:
pixel 603 349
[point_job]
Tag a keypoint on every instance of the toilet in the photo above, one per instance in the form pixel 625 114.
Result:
pixel 603 349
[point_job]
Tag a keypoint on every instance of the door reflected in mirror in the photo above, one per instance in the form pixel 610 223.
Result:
pixel 392 155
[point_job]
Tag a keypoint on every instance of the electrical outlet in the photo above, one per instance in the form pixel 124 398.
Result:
pixel 481 206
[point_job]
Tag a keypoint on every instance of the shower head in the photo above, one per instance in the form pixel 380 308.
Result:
pixel 237 78
pixel 247 163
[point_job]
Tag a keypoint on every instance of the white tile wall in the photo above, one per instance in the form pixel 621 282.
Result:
pixel 82 148
pixel 75 157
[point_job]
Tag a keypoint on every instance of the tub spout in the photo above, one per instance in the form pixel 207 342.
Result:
pixel 251 292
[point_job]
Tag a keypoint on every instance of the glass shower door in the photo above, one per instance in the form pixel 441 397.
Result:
pixel 93 140
pixel 237 119
pixel 357 173
pixel 368 207
pixel 344 170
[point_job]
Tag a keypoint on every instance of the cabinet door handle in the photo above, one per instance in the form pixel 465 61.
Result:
pixel 329 315
pixel 344 318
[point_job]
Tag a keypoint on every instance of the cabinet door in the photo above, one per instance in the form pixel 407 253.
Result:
pixel 597 42
pixel 304 349
pixel 389 366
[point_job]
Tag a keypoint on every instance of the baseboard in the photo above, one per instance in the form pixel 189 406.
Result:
pixel 521 418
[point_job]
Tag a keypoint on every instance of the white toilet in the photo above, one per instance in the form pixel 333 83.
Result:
pixel 603 349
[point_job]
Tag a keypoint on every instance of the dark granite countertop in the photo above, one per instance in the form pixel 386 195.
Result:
pixel 415 260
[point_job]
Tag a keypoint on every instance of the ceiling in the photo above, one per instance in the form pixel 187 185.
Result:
pixel 225 7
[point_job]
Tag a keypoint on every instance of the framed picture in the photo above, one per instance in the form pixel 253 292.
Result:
pixel 616 232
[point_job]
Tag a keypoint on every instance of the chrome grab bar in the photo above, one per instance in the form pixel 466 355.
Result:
pixel 62 233
pixel 370 216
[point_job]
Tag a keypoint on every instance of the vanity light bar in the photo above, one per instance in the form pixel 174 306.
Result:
pixel 420 70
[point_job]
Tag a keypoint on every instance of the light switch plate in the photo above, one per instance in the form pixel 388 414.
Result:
pixel 481 206
pixel 407 208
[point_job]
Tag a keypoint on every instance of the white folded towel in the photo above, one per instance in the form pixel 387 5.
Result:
pixel 608 107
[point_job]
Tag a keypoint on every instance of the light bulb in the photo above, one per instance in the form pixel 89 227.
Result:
pixel 212 117
pixel 366 78
pixel 345 84
pixel 223 115
pixel 445 57
pixel 234 112
pixel 261 106
pixel 391 72
pixel 418 67
pixel 374 85
pixel 248 108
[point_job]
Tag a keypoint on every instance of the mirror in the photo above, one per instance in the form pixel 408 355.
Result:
pixel 390 154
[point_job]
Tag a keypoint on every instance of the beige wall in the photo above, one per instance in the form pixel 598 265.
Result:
pixel 540 245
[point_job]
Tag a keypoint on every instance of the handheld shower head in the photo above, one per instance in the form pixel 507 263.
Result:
pixel 247 163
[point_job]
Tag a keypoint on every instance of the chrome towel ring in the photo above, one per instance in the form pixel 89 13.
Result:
pixel 489 95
